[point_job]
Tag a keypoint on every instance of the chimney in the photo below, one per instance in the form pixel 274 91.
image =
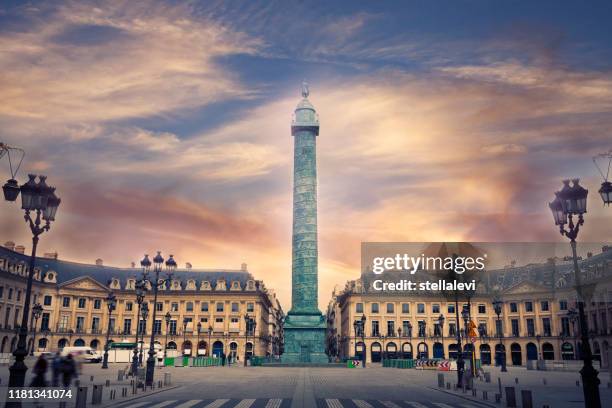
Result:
pixel 99 262
pixel 9 245
pixel 243 267
pixel 188 265
pixel 50 255
pixel 20 249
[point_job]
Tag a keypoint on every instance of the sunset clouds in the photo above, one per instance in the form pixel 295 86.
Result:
pixel 166 127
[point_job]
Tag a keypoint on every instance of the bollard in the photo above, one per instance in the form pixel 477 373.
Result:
pixel 544 381
pixel 473 392
pixel 497 398
pixel 120 375
pixel 516 380
pixel 91 378
pixel 577 383
pixel 526 399
pixel 96 394
pixel 485 396
pixel 487 377
pixel 108 383
pixel 81 397
pixel 448 386
pixel 159 383
pixel 167 379
pixel 510 397
pixel 440 380
pixel 499 385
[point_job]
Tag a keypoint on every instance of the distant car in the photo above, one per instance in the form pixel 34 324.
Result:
pixel 87 354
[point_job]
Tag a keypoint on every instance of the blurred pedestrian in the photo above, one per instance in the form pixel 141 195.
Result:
pixel 69 370
pixel 40 371
pixel 56 368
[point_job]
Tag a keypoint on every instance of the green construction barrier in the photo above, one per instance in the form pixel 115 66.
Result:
pixel 398 363
pixel 169 361
pixel 205 362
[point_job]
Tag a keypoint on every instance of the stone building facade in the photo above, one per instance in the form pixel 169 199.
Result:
pixel 74 310
pixel 535 322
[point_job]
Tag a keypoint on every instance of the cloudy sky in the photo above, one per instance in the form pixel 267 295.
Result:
pixel 166 125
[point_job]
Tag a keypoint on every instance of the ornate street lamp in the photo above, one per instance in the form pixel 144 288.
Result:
pixel 167 317
pixel 41 199
pixel 111 302
pixel 170 268
pixel 363 355
pixel 208 346
pixel 140 289
pixel 441 326
pixel 572 201
pixel 11 188
pixel 198 345
pixel 36 312
pixel 145 315
pixel 247 323
pixel 185 322
pixel 497 306
pixel 606 187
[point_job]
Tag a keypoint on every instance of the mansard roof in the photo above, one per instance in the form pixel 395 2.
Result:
pixel 66 271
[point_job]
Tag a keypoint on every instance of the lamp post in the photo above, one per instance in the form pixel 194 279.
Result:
pixel 465 314
pixel 198 345
pixel 247 322
pixel 441 326
pixel 39 198
pixel 36 312
pixel 140 289
pixel 185 321
pixel 571 201
pixel 208 346
pixel 572 316
pixel 111 303
pixel 363 355
pixel 497 306
pixel 382 338
pixel 253 334
pixel 145 315
pixel 170 268
pixel 167 318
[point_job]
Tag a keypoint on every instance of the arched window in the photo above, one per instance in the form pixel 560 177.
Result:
pixel 171 346
pixel 375 352
pixel 452 351
pixel 422 351
pixel 42 344
pixel 202 346
pixel 596 351
pixel 94 344
pixel 79 343
pixel 485 354
pixel 548 351
pixel 62 343
pixel 438 350
pixel 187 348
pixel 407 350
pixel 567 351
pixel 516 354
pixel 391 350
pixel 359 350
pixel 532 351
pixel 4 343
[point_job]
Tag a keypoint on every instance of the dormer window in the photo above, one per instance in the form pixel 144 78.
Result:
pixel 115 284
pixel 205 285
pixel 131 283
pixel 251 285
pixel 50 277
pixel 220 285
pixel 191 284
pixel 176 285
pixel 235 285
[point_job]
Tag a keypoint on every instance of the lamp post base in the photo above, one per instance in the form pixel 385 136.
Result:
pixel 590 386
pixel 105 360
pixel 150 371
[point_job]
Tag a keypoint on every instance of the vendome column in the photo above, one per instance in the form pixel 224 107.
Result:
pixel 304 328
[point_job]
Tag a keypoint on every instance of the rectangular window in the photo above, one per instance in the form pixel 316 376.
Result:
pixel 565 326
pixel 235 320
pixel 546 327
pixel 250 307
pixel 219 306
pixel 437 329
pixel 359 308
pixel 482 309
pixel 80 323
pixel 143 326
pixel 563 305
pixel 420 307
pixel 112 324
pixel 544 305
pixel 406 329
pixel 204 307
pixel 515 327
pixel 160 306
pixel 374 308
pixel 172 327
pixel 529 306
pixel 498 328
pixel 66 301
pixel 235 308
pixel 435 308
pixel 81 304
pixel 530 328
pixel 390 328
pixel 18 295
pixel 44 322
pixel 128 306
pixel 174 307
pixel 10 295
pixel 97 303
pixel 1 291
pixel 46 300
pixel 127 326
pixel 189 306
pixel 422 328
pixel 405 308
pixel 219 320
pixel 452 329
pixel 375 328
pixel 95 324
pixel 482 329
pixel 450 308
pixel 513 307
pixel 63 323
pixel 157 327
pixel 390 307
